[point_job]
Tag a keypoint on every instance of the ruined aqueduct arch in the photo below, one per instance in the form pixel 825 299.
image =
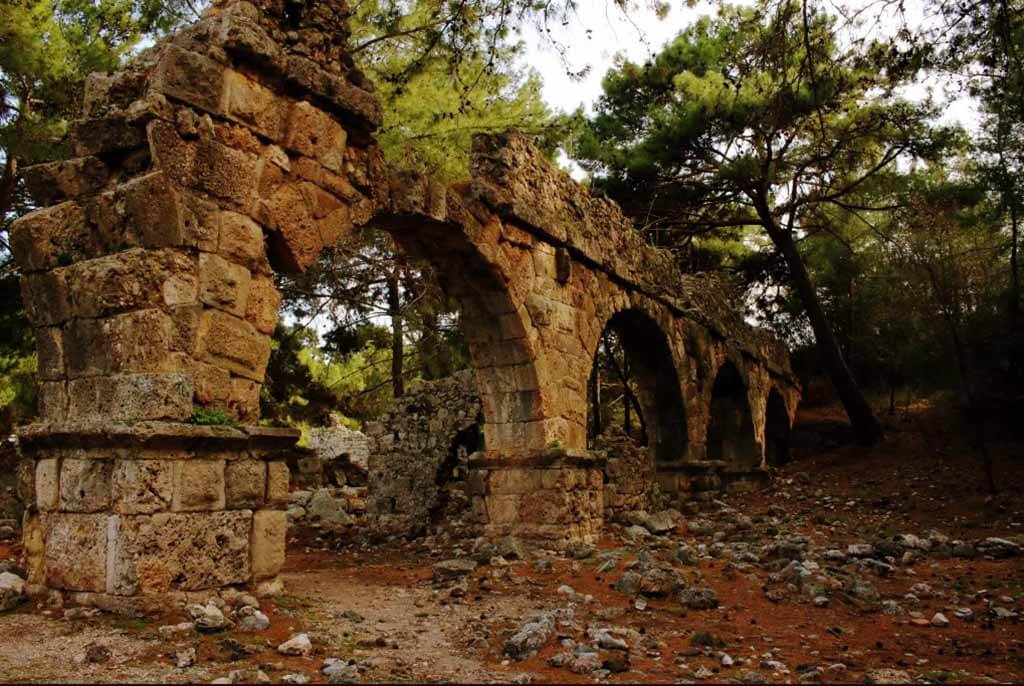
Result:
pixel 242 145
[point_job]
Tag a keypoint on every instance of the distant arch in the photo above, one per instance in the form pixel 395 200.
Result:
pixel 777 429
pixel 730 433
pixel 652 371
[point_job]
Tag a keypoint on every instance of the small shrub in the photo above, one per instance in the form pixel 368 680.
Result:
pixel 212 416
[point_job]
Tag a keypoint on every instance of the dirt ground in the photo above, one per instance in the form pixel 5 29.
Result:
pixel 378 604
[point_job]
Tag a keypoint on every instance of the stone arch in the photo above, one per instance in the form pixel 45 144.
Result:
pixel 495 327
pixel 777 429
pixel 654 369
pixel 730 428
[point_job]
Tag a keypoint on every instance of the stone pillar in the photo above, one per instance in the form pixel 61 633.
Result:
pixel 131 517
pixel 554 497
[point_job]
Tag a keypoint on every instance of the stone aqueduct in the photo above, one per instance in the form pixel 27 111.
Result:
pixel 242 145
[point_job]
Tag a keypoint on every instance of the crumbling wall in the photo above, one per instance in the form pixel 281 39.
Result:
pixel 418 455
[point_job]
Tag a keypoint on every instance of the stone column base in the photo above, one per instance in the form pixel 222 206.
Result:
pixel 703 481
pixel 131 517
pixel 555 498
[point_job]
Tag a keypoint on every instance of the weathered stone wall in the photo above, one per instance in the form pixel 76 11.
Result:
pixel 332 443
pixel 128 516
pixel 419 452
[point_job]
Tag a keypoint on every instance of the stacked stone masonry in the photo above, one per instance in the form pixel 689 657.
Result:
pixel 241 146
pixel 419 454
pixel 127 516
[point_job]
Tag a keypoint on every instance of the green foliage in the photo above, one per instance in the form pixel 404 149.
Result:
pixel 212 416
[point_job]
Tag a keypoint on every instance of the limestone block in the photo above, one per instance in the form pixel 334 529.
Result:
pixel 101 135
pixel 241 241
pixel 138 341
pixel 33 545
pixel 154 210
pixel 255 105
pixel 47 480
pixel 315 133
pixel 131 397
pixel 52 400
pixel 52 237
pixel 142 486
pixel 190 77
pixel 296 240
pixel 244 400
pixel 50 346
pixel 76 551
pixel 85 485
pixel 223 284
pixel 185 328
pixel 46 297
pixel 131 280
pixel 268 542
pixel 205 164
pixel 263 304
pixel 502 509
pixel 212 384
pixel 278 478
pixel 53 182
pixel 245 483
pixel 178 552
pixel 198 485
pixel 233 344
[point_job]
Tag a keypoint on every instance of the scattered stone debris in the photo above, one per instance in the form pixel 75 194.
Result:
pixel 296 645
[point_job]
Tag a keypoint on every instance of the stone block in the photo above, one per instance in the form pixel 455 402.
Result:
pixel 185 322
pixel 53 237
pixel 138 341
pixel 244 400
pixel 54 182
pixel 76 552
pixel 50 347
pixel 263 305
pixel 178 552
pixel 241 241
pixel 190 77
pixel 132 280
pixel 315 133
pixel 101 135
pixel 249 102
pixel 212 384
pixel 47 479
pixel 33 545
pixel 223 284
pixel 295 242
pixel 268 542
pixel 131 397
pixel 205 164
pixel 153 209
pixel 85 485
pixel 46 297
pixel 198 485
pixel 245 484
pixel 233 344
pixel 278 478
pixel 502 509
pixel 52 400
pixel 142 486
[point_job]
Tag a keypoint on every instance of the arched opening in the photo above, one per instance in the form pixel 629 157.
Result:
pixel 451 473
pixel 730 436
pixel 776 430
pixel 634 385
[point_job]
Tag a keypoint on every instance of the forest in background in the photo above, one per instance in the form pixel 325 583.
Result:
pixel 774 142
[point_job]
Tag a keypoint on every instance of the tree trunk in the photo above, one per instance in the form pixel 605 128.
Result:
pixel 866 426
pixel 397 335
pixel 594 393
